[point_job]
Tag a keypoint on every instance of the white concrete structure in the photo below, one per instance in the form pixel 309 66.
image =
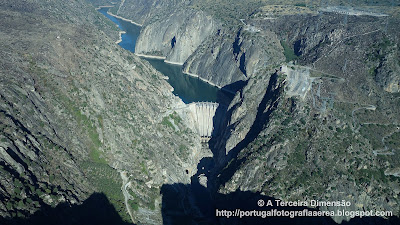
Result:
pixel 298 80
pixel 204 113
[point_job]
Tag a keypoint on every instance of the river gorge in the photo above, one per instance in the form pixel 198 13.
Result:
pixel 188 88
pixel 180 111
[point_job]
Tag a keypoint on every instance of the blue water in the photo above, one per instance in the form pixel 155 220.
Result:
pixel 132 31
pixel 188 88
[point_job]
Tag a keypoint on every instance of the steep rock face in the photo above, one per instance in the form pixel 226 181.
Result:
pixel 246 118
pixel 224 60
pixel 311 37
pixel 388 69
pixel 176 36
pixel 35 164
pixel 144 11
pixel 357 44
pixel 216 54
pixel 289 155
pixel 138 11
pixel 215 62
pixel 39 154
pixel 77 112
pixel 323 146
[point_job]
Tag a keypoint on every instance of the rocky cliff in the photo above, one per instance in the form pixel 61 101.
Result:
pixel 81 115
pixel 207 49
pixel 328 129
pixel 370 42
pixel 331 145
pixel 177 36
pixel 224 58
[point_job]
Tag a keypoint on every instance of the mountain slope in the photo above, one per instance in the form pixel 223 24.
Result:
pixel 78 112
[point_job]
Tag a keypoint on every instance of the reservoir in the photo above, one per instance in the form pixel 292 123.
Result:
pixel 188 88
pixel 132 31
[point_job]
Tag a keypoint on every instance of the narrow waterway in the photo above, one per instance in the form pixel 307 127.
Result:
pixel 188 88
pixel 132 31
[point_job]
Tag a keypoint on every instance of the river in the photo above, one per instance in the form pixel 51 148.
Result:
pixel 188 88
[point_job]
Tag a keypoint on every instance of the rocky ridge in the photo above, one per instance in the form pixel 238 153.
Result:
pixel 75 103
pixel 332 136
pixel 76 110
pixel 177 36
pixel 319 147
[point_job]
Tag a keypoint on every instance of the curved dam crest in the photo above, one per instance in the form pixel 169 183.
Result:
pixel 202 98
pixel 206 121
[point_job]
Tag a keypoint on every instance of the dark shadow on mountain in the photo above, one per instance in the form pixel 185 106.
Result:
pixel 231 89
pixel 197 202
pixel 96 210
pixel 222 116
pixel 297 48
pixel 180 205
pixel 266 107
pixel 224 97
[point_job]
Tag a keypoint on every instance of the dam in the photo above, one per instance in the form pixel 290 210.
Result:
pixel 205 117
pixel 201 98
pixel 204 114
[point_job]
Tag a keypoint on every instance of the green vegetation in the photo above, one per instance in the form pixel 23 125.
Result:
pixel 103 178
pixel 133 204
pixel 87 126
pixel 372 71
pixel 183 151
pixel 366 175
pixel 288 52
pixel 150 201
pixel 177 119
pixel 108 181
pixel 379 50
pixel 144 169
pixel 374 134
pixel 393 141
pixel 72 107
pixel 167 123
pixel 298 158
pixel 315 163
pixel 172 117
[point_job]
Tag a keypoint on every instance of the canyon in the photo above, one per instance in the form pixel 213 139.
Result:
pixel 315 100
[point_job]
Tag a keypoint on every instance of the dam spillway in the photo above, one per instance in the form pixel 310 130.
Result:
pixel 205 118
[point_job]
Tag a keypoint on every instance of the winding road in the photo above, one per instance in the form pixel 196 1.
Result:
pixel 368 107
pixel 125 184
pixel 385 150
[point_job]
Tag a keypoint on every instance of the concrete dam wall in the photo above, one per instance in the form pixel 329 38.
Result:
pixel 206 121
